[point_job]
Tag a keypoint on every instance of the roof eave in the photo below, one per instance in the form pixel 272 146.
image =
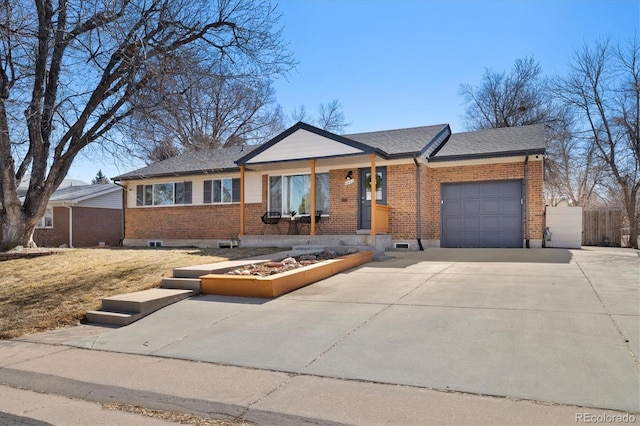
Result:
pixel 537 151
pixel 122 178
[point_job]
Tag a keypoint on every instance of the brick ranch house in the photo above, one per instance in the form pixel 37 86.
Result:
pixel 432 189
pixel 80 215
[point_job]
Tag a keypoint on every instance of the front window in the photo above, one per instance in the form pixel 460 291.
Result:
pixel 293 192
pixel 222 191
pixel 46 221
pixel 163 194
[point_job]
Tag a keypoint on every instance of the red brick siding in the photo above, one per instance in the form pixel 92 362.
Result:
pixel 90 227
pixel 401 197
pixel 59 234
pixel 183 222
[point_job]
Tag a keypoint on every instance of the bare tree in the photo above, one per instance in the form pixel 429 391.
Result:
pixel 330 117
pixel 506 99
pixel 206 108
pixel 603 88
pixel 77 67
pixel 521 97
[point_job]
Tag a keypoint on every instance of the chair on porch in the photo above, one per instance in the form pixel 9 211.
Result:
pixel 306 220
pixel 270 218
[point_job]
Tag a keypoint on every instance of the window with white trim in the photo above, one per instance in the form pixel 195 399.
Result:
pixel 222 191
pixel 46 221
pixel 293 192
pixel 163 194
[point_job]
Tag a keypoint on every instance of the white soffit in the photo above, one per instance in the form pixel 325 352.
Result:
pixel 303 144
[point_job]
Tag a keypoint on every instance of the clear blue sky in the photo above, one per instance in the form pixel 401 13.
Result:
pixel 395 64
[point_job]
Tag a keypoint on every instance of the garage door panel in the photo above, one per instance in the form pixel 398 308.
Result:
pixel 471 206
pixel 452 207
pixel 470 190
pixel 490 206
pixel 482 214
pixel 510 223
pixel 470 239
pixel 511 187
pixel 490 223
pixel 489 189
pixel 453 223
pixel 510 205
pixel 470 223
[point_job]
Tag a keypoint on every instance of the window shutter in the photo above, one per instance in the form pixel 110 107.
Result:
pixel 235 192
pixel 207 191
pixel 187 193
pixel 139 195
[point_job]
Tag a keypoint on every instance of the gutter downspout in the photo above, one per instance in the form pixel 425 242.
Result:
pixel 124 205
pixel 418 203
pixel 70 225
pixel 526 200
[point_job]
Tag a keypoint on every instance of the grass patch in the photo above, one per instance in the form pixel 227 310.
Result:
pixel 50 292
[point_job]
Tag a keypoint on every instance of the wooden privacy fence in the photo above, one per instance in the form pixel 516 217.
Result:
pixel 601 227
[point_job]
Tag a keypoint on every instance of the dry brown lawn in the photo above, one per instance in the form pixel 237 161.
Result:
pixel 49 292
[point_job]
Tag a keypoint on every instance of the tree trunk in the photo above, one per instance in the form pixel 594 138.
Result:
pixel 17 230
pixel 631 206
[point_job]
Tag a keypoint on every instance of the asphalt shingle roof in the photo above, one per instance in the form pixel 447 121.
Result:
pixel 395 143
pixel 204 161
pixel 72 193
pixel 483 143
pixel 399 141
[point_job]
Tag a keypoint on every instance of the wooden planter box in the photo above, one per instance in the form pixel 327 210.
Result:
pixel 279 284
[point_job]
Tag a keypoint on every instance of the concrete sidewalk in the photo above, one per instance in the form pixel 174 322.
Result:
pixel 70 382
pixel 424 338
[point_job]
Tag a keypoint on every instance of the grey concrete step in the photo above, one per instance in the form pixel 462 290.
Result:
pixel 145 301
pixel 127 308
pixel 192 284
pixel 112 318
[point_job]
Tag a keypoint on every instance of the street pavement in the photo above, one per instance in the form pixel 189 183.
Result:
pixel 443 336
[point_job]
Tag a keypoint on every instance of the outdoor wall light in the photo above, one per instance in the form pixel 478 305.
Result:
pixel 349 175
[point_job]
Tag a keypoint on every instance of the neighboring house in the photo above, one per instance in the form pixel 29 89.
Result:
pixel 432 189
pixel 82 216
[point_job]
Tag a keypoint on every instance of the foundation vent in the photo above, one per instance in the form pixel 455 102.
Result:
pixel 401 245
pixel 155 243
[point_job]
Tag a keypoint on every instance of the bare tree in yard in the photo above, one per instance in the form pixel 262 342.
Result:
pixel 573 172
pixel 71 73
pixel 522 97
pixel 505 99
pixel 203 109
pixel 603 88
pixel 330 117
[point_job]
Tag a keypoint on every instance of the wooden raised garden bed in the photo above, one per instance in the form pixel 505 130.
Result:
pixel 272 286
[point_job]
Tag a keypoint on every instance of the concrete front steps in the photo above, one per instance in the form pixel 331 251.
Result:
pixel 126 308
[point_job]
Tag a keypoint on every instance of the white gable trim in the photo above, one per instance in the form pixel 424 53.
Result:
pixel 303 144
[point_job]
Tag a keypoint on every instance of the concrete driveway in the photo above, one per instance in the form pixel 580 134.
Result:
pixel 548 325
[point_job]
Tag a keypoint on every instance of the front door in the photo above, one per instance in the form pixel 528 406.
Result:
pixel 364 221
